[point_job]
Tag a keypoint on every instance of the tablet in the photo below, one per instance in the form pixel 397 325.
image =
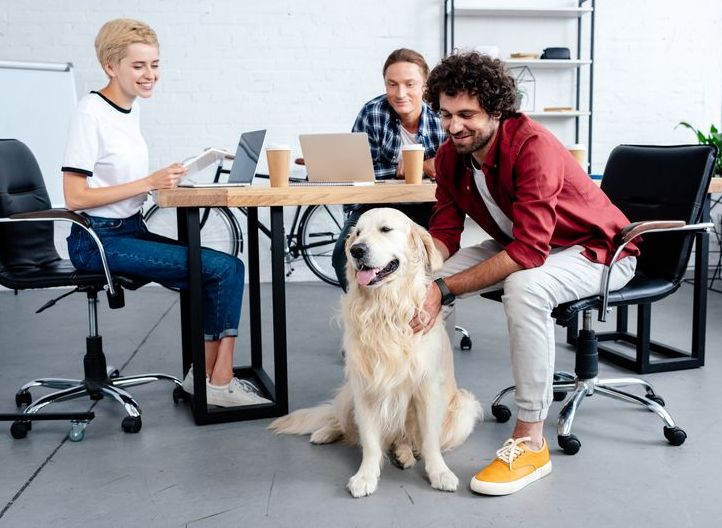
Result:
pixel 204 159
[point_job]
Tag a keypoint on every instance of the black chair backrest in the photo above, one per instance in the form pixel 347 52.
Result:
pixel 661 183
pixel 22 190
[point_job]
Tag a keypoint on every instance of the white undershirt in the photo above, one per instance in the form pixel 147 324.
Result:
pixel 407 138
pixel 503 221
pixel 105 145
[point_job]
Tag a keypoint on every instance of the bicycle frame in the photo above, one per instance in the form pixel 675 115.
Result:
pixel 293 245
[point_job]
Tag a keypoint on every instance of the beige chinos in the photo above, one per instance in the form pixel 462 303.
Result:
pixel 529 297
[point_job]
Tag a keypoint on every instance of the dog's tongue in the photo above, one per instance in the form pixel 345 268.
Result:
pixel 363 277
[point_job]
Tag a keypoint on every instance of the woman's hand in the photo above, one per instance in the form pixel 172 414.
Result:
pixel 167 177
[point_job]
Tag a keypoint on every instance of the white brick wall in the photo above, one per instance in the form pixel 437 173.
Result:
pixel 307 66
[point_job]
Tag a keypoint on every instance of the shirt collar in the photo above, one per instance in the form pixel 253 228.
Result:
pixel 492 156
pixel 424 118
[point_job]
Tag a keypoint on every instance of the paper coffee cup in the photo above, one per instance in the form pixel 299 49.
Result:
pixel 413 156
pixel 579 152
pixel 279 164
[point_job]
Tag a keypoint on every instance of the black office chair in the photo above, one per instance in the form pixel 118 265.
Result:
pixel 649 184
pixel 28 260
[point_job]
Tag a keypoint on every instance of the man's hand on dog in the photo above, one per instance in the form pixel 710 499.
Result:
pixel 432 307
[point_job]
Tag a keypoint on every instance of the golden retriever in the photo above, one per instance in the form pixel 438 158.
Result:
pixel 399 392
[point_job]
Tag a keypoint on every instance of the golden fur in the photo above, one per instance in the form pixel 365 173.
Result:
pixel 399 391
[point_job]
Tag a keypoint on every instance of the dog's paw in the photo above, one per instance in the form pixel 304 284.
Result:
pixel 325 435
pixel 444 480
pixel 403 456
pixel 362 484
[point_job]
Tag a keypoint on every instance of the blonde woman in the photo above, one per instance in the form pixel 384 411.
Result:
pixel 106 179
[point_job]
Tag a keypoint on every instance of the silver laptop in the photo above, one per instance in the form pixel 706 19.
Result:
pixel 337 159
pixel 244 164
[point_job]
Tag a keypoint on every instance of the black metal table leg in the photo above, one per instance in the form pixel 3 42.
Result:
pixel 192 322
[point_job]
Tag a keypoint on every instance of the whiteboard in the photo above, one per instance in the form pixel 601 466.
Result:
pixel 37 100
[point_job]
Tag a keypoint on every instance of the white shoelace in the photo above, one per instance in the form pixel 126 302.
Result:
pixel 244 385
pixel 510 451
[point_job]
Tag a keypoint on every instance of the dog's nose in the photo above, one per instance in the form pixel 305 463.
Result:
pixel 358 250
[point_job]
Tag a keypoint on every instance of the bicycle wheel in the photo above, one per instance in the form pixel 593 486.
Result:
pixel 219 228
pixel 320 228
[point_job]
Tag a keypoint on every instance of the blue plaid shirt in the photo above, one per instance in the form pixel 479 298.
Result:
pixel 379 120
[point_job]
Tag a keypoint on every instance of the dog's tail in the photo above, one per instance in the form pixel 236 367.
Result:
pixel 304 421
pixel 464 411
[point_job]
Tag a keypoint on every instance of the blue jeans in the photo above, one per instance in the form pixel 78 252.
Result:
pixel 418 212
pixel 131 249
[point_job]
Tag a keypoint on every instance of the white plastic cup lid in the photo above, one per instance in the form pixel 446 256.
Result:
pixel 413 146
pixel 278 147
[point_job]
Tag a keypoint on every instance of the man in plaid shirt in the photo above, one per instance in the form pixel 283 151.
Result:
pixel 398 117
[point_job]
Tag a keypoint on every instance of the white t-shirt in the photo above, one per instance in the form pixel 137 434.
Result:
pixel 503 221
pixel 407 138
pixel 105 144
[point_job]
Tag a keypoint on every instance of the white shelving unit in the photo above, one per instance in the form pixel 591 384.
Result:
pixel 547 63
pixel 530 28
pixel 505 11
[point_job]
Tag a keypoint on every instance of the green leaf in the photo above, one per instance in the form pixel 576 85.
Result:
pixel 686 125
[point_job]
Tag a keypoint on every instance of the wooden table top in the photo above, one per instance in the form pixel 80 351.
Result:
pixel 308 195
pixel 302 195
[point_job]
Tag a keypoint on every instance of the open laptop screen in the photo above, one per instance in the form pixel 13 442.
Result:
pixel 247 154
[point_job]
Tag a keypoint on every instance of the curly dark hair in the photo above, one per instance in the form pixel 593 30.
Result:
pixel 478 75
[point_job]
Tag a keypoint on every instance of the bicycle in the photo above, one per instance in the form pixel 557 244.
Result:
pixel 312 235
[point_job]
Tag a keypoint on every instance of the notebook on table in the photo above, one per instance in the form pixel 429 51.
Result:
pixel 244 163
pixel 337 159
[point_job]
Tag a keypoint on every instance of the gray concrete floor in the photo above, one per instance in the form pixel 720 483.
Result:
pixel 174 473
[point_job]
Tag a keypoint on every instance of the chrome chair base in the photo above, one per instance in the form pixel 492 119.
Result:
pixel 70 389
pixel 580 389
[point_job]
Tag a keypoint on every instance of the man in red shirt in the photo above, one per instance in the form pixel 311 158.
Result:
pixel 552 232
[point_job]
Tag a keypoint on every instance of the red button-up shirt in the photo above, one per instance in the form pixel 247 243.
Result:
pixel 532 177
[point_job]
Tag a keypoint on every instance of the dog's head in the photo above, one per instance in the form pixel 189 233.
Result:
pixel 386 245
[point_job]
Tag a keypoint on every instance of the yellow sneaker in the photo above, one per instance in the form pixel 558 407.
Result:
pixel 514 467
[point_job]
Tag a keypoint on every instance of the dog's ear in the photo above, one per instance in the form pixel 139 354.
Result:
pixel 425 243
pixel 349 238
pixel 350 271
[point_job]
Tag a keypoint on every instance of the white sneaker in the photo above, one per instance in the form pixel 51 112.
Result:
pixel 235 394
pixel 187 383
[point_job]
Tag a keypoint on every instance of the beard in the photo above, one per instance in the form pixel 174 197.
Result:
pixel 480 139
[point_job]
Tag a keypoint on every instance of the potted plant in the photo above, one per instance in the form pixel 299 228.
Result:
pixel 713 138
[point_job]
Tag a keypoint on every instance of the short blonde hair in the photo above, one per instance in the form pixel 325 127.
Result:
pixel 111 44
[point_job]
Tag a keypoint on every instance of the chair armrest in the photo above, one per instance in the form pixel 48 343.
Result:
pixel 635 229
pixel 53 214
pixel 631 232
pixel 64 215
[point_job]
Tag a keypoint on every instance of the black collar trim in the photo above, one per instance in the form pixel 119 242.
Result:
pixel 111 103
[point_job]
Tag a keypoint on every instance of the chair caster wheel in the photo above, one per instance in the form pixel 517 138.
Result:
pixel 656 399
pixel 675 435
pixel 23 398
pixel 501 413
pixel 77 431
pixel 570 444
pixel 559 396
pixel 19 430
pixel 180 395
pixel 465 343
pixel 132 424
